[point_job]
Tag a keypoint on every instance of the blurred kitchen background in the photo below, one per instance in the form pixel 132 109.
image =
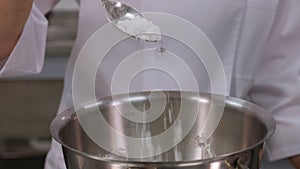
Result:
pixel 28 104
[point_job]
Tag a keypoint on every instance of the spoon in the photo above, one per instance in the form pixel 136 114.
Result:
pixel 129 20
pixel 115 10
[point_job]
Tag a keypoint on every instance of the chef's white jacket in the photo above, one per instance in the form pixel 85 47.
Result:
pixel 258 42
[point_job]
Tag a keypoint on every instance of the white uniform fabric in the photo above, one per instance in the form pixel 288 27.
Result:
pixel 258 41
pixel 27 57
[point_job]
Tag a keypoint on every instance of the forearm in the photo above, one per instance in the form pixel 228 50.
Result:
pixel 13 16
pixel 295 160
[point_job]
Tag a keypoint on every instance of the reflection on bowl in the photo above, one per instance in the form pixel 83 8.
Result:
pixel 236 143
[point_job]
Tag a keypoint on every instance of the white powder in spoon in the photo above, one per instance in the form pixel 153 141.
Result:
pixel 140 28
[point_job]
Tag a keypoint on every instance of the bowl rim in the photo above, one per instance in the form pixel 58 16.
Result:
pixel 261 114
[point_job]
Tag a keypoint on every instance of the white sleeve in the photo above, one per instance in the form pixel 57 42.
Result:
pixel 277 83
pixel 28 55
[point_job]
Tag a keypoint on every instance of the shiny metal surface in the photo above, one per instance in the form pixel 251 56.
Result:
pixel 115 10
pixel 237 142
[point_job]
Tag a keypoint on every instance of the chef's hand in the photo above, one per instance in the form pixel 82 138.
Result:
pixel 295 161
pixel 13 16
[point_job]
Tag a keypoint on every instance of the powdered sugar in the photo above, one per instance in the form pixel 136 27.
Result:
pixel 140 28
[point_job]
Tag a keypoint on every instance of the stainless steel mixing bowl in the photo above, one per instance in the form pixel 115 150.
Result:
pixel 237 143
